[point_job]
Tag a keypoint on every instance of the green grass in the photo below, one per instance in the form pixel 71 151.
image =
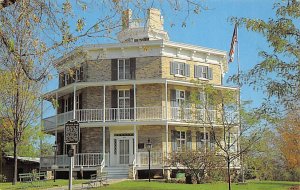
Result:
pixel 37 185
pixel 254 185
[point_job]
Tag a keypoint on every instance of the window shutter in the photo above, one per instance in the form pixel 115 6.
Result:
pixel 173 98
pixel 189 140
pixel 172 68
pixel 173 140
pixel 114 98
pixel 131 94
pixel 196 72
pixel 187 98
pixel 187 70
pixel 198 140
pixel 132 67
pixel 209 73
pixel 80 101
pixel 114 69
pixel 81 73
pixel 200 70
pixel 70 103
pixel 61 105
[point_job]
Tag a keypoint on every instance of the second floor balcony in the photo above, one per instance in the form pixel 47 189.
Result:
pixel 138 114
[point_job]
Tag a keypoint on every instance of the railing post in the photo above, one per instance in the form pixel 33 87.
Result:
pixel 74 102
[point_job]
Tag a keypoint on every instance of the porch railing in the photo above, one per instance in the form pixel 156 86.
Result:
pixel 156 158
pixel 81 159
pixel 127 114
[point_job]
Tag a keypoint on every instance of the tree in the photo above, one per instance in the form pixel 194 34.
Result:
pixel 198 164
pixel 19 105
pixel 52 28
pixel 224 117
pixel 288 143
pixel 278 74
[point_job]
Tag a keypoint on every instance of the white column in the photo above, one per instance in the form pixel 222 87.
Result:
pixel 167 126
pixel 103 143
pixel 134 101
pixel 103 129
pixel 134 127
pixel 166 99
pixel 74 102
pixel 104 88
pixel 135 142
pixel 41 141
pixel 56 99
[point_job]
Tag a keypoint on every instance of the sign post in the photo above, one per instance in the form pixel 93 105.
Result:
pixel 72 137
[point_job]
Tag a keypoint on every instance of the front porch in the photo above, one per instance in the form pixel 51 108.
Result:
pixel 92 161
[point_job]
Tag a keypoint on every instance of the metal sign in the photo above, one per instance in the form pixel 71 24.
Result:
pixel 72 132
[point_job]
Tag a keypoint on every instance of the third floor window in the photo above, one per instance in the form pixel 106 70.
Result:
pixel 123 69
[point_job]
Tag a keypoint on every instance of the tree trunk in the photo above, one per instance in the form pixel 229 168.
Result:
pixel 15 158
pixel 228 174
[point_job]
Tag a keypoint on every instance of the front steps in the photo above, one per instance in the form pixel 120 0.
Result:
pixel 117 172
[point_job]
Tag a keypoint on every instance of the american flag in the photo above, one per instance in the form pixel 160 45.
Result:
pixel 233 43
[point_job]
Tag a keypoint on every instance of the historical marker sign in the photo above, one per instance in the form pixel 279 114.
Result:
pixel 72 132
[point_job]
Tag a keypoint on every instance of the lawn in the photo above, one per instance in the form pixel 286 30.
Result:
pixel 37 185
pixel 254 185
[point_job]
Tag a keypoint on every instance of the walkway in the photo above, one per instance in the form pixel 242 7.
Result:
pixel 78 186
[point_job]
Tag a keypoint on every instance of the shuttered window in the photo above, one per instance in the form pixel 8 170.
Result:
pixel 178 68
pixel 203 72
pixel 123 69
pixel 201 139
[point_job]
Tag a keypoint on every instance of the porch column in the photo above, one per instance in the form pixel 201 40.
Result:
pixel 103 129
pixel 134 127
pixel 41 141
pixel 56 99
pixel 167 126
pixel 74 102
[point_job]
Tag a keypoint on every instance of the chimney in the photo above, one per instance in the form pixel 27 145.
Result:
pixel 155 20
pixel 126 18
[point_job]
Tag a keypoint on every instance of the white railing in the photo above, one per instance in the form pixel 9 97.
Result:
pixel 133 169
pixel 127 114
pixel 192 115
pixel 150 113
pixel 85 115
pixel 88 159
pixel 81 159
pixel 119 114
pixel 63 117
pixel 156 158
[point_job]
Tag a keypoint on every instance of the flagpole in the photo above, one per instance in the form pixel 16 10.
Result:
pixel 239 104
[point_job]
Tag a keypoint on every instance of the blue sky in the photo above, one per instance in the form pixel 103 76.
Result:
pixel 211 28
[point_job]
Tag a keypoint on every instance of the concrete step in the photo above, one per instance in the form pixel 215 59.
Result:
pixel 116 172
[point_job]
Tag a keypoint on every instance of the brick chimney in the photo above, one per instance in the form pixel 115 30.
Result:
pixel 155 20
pixel 126 18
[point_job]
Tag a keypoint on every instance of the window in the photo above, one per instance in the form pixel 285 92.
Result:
pixel 181 69
pixel 232 142
pixel 67 78
pixel 202 139
pixel 124 69
pixel 180 140
pixel 66 105
pixel 203 72
pixel 124 104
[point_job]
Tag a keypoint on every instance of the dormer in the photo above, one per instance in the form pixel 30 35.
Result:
pixel 133 30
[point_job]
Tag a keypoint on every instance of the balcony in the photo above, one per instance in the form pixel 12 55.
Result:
pixel 175 114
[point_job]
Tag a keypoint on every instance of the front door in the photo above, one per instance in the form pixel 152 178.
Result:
pixel 123 149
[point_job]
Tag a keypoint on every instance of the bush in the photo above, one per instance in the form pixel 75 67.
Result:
pixel 2 178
